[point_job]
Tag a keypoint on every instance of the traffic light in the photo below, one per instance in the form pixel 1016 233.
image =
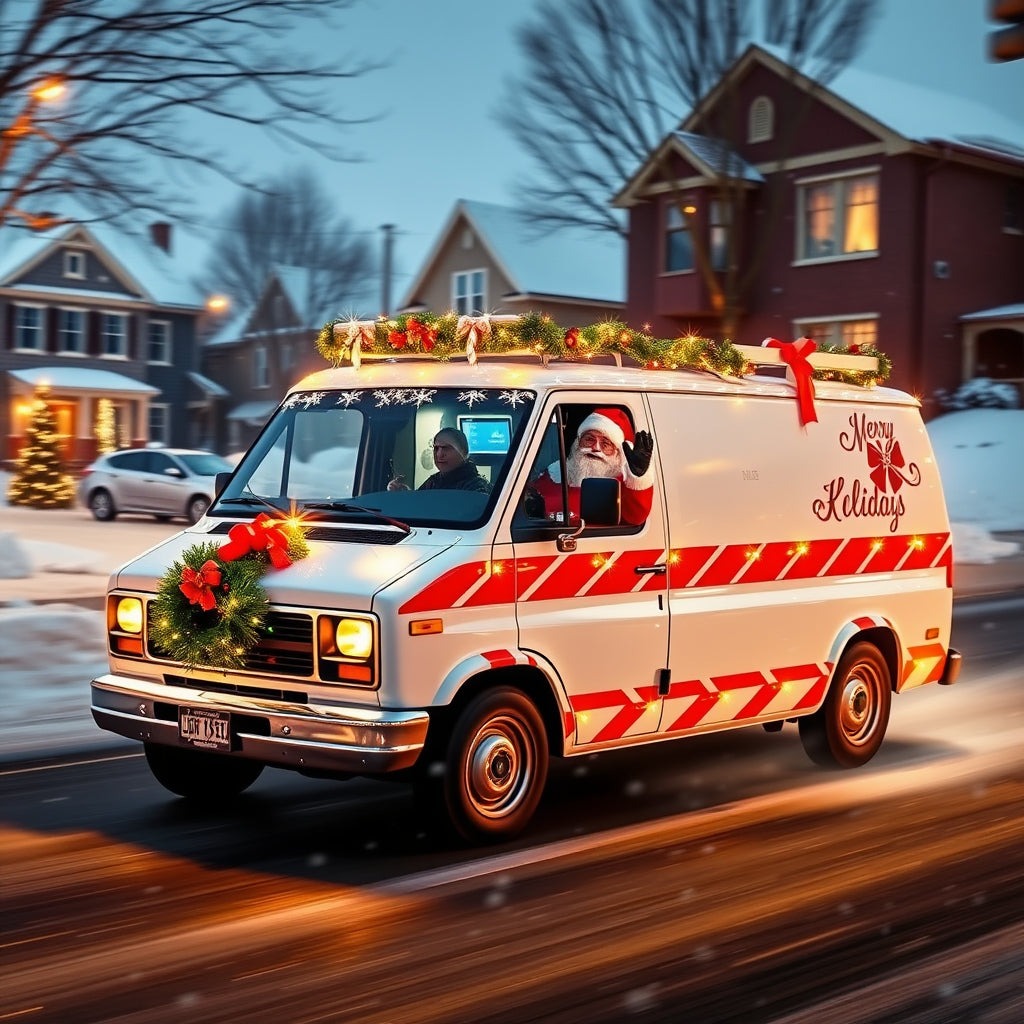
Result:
pixel 1007 43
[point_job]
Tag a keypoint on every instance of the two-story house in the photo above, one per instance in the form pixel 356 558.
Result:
pixel 102 316
pixel 868 211
pixel 489 259
pixel 258 352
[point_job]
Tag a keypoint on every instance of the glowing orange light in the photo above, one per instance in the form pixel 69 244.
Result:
pixel 51 89
pixel 218 303
pixel 876 545
pixel 917 542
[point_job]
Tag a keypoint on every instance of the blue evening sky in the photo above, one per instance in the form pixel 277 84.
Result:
pixel 437 139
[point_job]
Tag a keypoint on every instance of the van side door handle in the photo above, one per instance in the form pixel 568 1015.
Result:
pixel 658 570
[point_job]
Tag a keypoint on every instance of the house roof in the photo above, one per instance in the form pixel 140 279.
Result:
pixel 1015 311
pixel 564 264
pixel 73 378
pixel 716 157
pixel 209 387
pixel 888 107
pixel 157 275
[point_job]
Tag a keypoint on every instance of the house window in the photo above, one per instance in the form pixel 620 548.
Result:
pixel 718 234
pixel 159 424
pixel 1013 219
pixel 845 331
pixel 114 329
pixel 1000 354
pixel 260 374
pixel 469 291
pixel 838 217
pixel 71 331
pixel 678 243
pixel 158 341
pixel 28 328
pixel 761 120
pixel 287 356
pixel 74 264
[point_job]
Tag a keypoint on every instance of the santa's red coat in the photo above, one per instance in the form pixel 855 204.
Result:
pixel 636 501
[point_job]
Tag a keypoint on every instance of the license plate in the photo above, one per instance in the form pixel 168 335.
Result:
pixel 199 727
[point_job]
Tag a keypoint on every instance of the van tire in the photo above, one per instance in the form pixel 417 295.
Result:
pixel 496 766
pixel 199 775
pixel 847 730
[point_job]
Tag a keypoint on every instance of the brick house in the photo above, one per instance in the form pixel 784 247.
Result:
pixel 869 211
pixel 486 259
pixel 98 314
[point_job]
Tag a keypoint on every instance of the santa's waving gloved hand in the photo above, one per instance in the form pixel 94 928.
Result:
pixel 638 455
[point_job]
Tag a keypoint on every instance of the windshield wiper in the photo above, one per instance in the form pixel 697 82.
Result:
pixel 245 501
pixel 347 506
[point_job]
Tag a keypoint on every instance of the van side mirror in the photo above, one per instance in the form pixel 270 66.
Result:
pixel 220 481
pixel 600 501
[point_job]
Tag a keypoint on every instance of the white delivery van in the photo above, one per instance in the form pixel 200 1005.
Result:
pixel 457 638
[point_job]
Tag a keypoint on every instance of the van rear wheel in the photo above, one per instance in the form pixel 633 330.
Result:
pixel 847 730
pixel 200 775
pixel 496 767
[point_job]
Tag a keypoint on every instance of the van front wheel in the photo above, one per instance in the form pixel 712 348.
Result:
pixel 847 730
pixel 496 767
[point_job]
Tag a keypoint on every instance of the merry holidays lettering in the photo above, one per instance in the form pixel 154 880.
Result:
pixel 888 471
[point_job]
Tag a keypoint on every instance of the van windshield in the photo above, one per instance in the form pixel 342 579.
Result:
pixel 424 456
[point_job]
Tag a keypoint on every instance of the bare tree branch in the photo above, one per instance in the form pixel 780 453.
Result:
pixel 149 79
pixel 295 224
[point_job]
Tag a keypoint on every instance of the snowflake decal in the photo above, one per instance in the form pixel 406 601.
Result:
pixel 515 398
pixel 469 397
pixel 306 400
pixel 384 398
pixel 420 396
pixel 348 398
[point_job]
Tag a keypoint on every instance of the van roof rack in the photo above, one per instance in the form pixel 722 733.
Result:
pixel 495 336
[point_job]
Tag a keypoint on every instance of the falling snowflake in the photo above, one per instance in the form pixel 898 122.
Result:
pixel 420 396
pixel 513 398
pixel 347 398
pixel 469 397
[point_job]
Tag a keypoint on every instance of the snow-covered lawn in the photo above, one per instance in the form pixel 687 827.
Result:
pixel 49 652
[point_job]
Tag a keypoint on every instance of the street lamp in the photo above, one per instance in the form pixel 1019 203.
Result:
pixel 44 91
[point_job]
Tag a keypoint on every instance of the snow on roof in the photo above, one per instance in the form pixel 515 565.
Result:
pixel 210 387
pixel 566 263
pixel 75 378
pixel 1014 311
pixel 923 114
pixel 719 156
pixel 230 331
pixel 162 278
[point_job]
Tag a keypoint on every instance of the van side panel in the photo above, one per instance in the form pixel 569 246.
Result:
pixel 784 538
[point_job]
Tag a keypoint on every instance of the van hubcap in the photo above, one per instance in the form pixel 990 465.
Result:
pixel 499 767
pixel 858 708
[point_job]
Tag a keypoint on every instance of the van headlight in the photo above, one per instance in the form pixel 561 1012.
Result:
pixel 348 648
pixel 129 614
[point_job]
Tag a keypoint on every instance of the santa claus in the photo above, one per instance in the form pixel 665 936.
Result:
pixel 605 445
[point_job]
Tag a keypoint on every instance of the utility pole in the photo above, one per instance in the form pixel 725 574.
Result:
pixel 385 268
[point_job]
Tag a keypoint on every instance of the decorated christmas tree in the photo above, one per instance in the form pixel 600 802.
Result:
pixel 39 479
pixel 106 427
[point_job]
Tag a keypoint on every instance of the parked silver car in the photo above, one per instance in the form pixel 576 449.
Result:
pixel 165 482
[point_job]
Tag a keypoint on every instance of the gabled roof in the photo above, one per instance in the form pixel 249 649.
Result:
pixel 139 264
pixel 895 111
pixel 564 264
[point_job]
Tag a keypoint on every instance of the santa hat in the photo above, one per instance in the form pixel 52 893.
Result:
pixel 613 423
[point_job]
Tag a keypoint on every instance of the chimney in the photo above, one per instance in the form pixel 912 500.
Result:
pixel 160 232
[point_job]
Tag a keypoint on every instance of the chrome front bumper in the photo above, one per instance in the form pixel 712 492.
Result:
pixel 309 736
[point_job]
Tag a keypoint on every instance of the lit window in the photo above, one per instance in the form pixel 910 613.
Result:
pixel 28 328
pixel 469 290
pixel 71 331
pixel 761 120
pixel 842 331
pixel 158 341
pixel 114 328
pixel 678 244
pixel 838 217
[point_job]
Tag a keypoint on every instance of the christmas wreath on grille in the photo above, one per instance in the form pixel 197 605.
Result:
pixel 211 607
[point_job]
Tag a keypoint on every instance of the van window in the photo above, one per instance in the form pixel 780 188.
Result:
pixel 593 444
pixel 346 447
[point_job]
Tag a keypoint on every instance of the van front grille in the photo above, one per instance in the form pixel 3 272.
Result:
pixel 284 648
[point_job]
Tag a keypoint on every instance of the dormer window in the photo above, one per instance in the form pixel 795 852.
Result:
pixel 74 264
pixel 761 120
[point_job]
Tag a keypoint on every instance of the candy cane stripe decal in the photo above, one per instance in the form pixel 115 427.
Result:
pixel 607 573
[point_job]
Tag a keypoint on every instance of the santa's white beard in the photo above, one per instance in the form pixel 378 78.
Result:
pixel 584 464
